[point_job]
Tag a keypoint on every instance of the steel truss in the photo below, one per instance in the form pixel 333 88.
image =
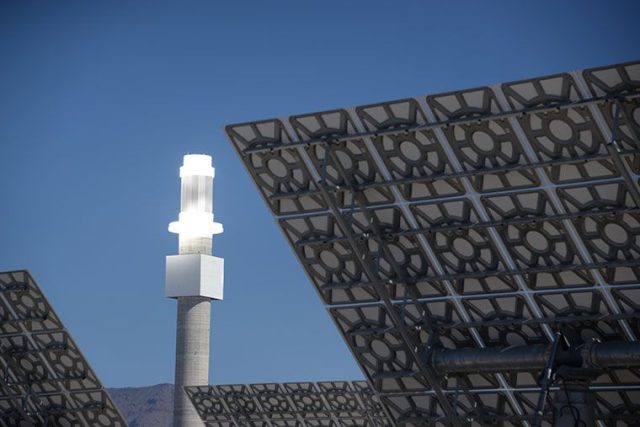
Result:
pixel 328 403
pixel 44 378
pixel 482 218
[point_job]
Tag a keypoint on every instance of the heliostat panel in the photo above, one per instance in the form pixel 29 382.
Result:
pixel 45 378
pixel 486 217
pixel 330 403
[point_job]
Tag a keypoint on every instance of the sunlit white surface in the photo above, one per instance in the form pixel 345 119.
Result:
pixel 194 275
pixel 194 224
pixel 197 164
pixel 197 174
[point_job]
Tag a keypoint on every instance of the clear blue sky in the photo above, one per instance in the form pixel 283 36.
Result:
pixel 99 100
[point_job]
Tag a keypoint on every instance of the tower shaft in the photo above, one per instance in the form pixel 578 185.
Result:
pixel 192 355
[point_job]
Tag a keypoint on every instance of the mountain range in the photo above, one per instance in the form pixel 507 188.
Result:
pixel 145 406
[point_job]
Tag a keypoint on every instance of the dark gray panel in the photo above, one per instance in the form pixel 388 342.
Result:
pixel 45 378
pixel 330 403
pixel 478 218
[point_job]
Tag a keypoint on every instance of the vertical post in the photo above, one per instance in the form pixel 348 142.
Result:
pixel 573 403
pixel 194 277
pixel 546 378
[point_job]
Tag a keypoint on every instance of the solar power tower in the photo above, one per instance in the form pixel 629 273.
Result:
pixel 478 250
pixel 194 278
pixel 44 379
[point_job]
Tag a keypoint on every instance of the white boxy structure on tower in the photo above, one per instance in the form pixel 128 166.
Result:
pixel 194 275
pixel 194 278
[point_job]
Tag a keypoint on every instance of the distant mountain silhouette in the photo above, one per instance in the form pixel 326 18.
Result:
pixel 145 406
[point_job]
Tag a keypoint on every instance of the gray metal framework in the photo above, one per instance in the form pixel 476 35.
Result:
pixel 486 217
pixel 328 403
pixel 45 380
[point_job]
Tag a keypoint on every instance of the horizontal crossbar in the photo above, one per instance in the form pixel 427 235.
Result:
pixel 605 355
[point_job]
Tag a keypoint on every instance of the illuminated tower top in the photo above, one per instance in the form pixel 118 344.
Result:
pixel 195 224
pixel 194 272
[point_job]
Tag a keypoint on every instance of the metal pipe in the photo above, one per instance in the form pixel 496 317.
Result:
pixel 615 354
pixel 534 357
pixel 469 360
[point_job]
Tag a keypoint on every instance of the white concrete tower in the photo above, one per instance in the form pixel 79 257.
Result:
pixel 194 278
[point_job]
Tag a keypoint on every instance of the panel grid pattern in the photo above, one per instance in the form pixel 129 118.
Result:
pixel 492 216
pixel 45 379
pixel 329 403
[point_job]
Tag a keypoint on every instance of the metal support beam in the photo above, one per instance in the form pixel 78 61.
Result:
pixel 25 418
pixel 369 270
pixel 534 357
pixel 409 342
pixel 437 125
pixel 464 174
pixel 616 156
pixel 481 225
pixel 500 273
pixel 546 378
